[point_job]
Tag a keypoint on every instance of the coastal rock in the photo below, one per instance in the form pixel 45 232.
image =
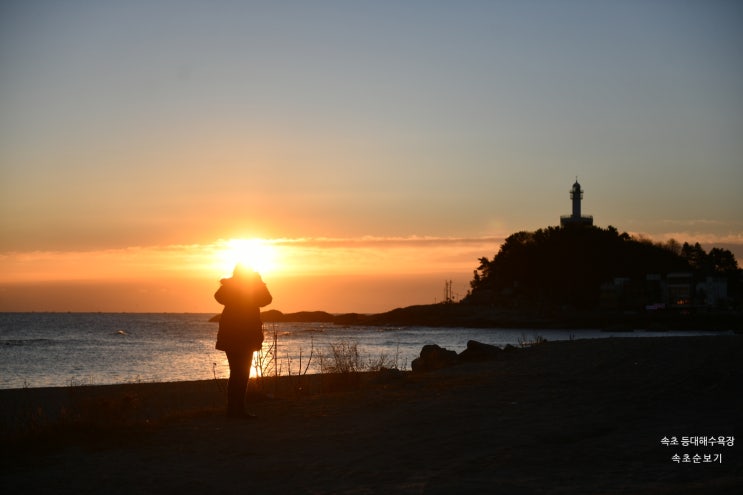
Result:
pixel 434 357
pixel 477 351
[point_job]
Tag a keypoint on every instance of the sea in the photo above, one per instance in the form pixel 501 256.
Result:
pixel 73 349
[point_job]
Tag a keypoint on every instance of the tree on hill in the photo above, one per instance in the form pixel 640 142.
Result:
pixel 566 266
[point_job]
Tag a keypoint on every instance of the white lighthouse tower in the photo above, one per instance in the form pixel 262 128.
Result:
pixel 576 195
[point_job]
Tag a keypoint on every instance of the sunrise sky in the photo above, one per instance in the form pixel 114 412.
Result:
pixel 378 147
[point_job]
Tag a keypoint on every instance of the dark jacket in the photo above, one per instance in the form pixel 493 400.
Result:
pixel 240 326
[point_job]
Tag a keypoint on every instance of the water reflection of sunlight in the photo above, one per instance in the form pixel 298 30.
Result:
pixel 221 367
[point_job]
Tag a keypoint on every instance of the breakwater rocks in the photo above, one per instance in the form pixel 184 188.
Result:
pixel 434 357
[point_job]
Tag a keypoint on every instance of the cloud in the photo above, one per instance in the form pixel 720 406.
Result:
pixel 692 231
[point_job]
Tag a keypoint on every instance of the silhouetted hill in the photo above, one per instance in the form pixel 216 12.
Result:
pixel 578 266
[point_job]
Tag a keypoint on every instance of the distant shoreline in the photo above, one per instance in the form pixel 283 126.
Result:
pixel 471 316
pixel 457 315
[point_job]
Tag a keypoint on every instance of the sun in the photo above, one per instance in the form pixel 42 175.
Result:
pixel 258 254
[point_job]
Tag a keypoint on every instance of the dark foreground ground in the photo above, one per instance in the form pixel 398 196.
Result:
pixel 586 416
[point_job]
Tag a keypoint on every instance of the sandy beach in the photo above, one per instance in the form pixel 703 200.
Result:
pixel 584 416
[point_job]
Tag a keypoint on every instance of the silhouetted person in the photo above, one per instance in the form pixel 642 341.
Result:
pixel 240 330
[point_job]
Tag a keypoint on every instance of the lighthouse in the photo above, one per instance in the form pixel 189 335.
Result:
pixel 576 196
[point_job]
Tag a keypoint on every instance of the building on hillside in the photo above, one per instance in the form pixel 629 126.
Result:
pixel 712 292
pixel 680 288
pixel 654 293
pixel 576 195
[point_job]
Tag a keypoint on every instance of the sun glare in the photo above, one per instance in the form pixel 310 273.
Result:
pixel 258 254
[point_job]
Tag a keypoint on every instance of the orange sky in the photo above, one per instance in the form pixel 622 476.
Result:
pixel 337 275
